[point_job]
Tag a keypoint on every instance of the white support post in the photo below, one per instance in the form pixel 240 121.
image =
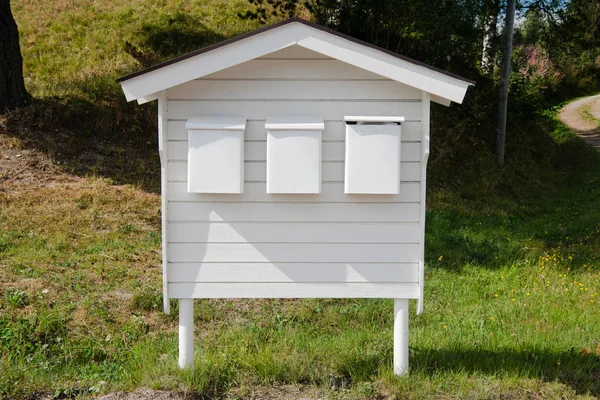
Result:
pixel 186 333
pixel 400 336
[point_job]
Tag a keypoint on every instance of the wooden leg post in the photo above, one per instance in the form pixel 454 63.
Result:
pixel 400 336
pixel 186 333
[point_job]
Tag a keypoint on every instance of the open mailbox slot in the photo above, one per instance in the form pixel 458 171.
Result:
pixel 372 163
pixel 294 154
pixel 216 154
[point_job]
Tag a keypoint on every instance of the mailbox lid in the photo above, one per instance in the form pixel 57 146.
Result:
pixel 216 123
pixel 372 162
pixel 294 123
pixel 216 154
pixel 294 154
pixel 373 119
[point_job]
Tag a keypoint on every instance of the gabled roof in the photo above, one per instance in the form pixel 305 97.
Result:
pixel 145 85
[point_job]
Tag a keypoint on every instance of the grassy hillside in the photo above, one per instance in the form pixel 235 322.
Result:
pixel 513 269
pixel 73 47
pixel 74 50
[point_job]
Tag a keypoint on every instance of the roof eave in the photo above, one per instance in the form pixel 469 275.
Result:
pixel 443 86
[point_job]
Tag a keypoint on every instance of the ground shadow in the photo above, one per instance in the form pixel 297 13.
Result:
pixel 575 368
pixel 98 133
pixel 495 230
pixel 113 139
pixel 590 136
pixel 177 35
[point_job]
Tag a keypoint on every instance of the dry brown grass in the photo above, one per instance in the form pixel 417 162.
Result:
pixel 67 232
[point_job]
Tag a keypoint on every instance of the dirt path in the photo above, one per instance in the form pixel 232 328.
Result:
pixel 583 117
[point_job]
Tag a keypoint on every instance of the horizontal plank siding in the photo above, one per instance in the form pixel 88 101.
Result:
pixel 293 212
pixel 330 193
pixel 260 109
pixel 293 290
pixel 335 131
pixel 330 244
pixel 293 252
pixel 293 272
pixel 296 90
pixel 294 69
pixel 257 151
pixel 303 232
pixel 410 171
pixel 294 53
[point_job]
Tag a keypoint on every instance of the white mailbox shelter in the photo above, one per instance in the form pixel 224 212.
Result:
pixel 293 166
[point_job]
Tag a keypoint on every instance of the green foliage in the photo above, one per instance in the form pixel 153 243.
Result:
pixel 35 339
pixel 264 10
pixel 16 298
pixel 534 28
pixel 443 34
pixel 567 44
pixel 5 242
pixel 147 301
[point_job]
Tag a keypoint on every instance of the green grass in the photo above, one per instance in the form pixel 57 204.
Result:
pixel 79 48
pixel 511 304
pixel 512 277
pixel 588 116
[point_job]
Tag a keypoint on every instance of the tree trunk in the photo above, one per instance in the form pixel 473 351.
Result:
pixel 490 26
pixel 506 58
pixel 12 87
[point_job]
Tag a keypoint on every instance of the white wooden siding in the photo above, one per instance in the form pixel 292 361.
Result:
pixel 321 70
pixel 163 129
pixel 293 90
pixel 294 53
pixel 331 172
pixel 293 212
pixel 257 151
pixel 262 109
pixel 299 245
pixel 273 232
pixel 335 131
pixel 293 252
pixel 330 193
pixel 293 272
pixel 425 118
pixel 293 290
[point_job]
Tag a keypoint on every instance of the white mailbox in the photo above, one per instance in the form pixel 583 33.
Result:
pixel 294 154
pixel 372 162
pixel 297 230
pixel 216 154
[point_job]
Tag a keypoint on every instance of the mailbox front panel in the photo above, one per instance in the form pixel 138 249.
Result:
pixel 294 154
pixel 294 161
pixel 372 164
pixel 215 156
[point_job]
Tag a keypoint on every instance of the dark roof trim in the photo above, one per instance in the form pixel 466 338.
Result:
pixel 281 23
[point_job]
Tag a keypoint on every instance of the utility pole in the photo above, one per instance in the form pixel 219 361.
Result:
pixel 506 60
